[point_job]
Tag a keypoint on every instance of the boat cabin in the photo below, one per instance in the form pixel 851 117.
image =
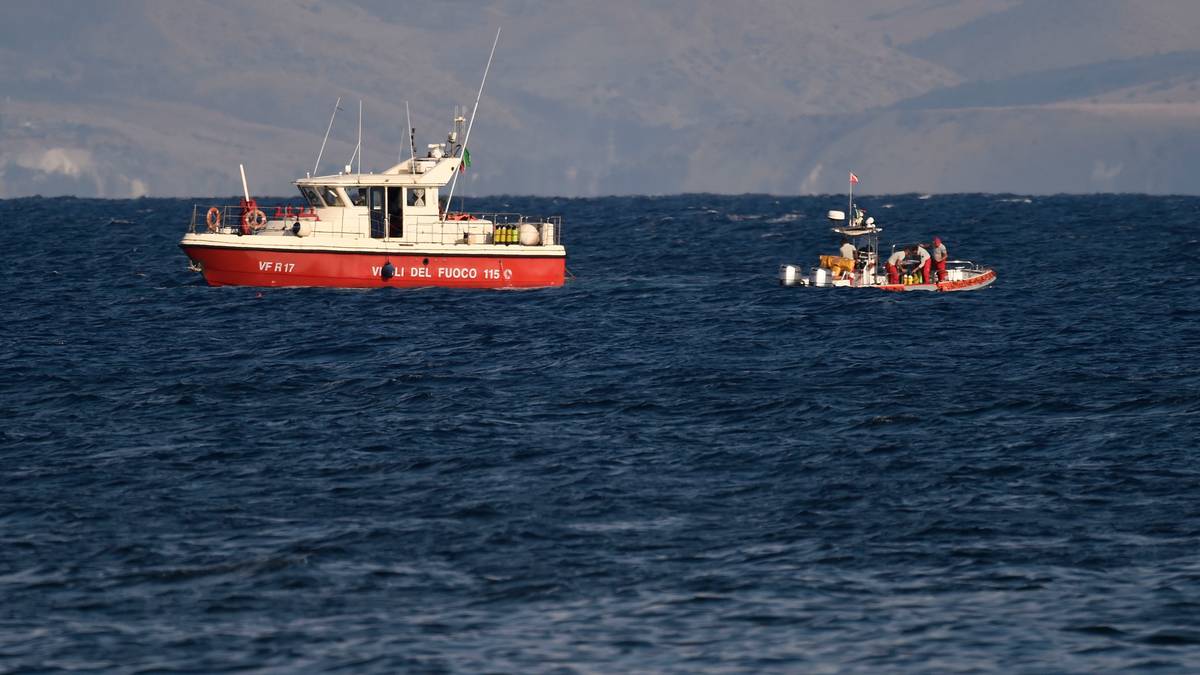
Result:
pixel 398 204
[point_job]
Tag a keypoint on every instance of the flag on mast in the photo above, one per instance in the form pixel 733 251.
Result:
pixel 853 178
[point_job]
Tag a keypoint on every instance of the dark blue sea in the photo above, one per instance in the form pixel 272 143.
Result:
pixel 671 464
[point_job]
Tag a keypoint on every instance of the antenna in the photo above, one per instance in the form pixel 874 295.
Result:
pixel 358 148
pixel 412 141
pixel 336 107
pixel 471 123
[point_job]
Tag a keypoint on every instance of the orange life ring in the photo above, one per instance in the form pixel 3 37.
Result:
pixel 253 219
pixel 213 219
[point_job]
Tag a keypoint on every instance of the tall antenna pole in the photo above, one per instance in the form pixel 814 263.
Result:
pixel 336 107
pixel 412 141
pixel 358 147
pixel 471 122
pixel 478 96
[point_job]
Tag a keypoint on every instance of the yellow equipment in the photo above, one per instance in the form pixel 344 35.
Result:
pixel 837 264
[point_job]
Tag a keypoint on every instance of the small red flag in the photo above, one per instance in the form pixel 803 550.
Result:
pixel 853 178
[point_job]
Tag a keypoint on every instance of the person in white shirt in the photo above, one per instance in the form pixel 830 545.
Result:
pixel 893 266
pixel 847 250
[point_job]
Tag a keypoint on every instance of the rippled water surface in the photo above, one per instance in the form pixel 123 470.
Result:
pixel 670 464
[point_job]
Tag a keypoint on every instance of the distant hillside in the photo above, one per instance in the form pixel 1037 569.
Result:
pixel 1035 35
pixel 138 97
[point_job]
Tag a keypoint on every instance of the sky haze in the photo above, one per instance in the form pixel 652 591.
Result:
pixel 133 97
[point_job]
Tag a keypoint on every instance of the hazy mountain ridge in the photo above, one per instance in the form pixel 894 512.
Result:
pixel 140 97
pixel 1033 36
pixel 1071 83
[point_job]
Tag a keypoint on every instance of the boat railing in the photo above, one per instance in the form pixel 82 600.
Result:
pixel 230 218
pixel 457 224
pixel 455 227
pixel 963 265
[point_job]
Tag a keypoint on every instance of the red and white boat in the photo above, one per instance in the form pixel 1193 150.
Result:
pixel 862 270
pixel 366 230
pixel 372 230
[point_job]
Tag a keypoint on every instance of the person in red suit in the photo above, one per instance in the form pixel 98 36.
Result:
pixel 939 259
pixel 893 266
pixel 923 254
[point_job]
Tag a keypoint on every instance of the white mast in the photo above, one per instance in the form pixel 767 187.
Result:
pixel 336 107
pixel 850 213
pixel 471 123
pixel 245 190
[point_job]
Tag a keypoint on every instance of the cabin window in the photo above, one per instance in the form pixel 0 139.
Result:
pixel 311 196
pixel 378 220
pixel 416 197
pixel 358 196
pixel 395 215
pixel 332 198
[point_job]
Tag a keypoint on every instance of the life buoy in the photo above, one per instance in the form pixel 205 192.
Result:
pixel 213 219
pixel 253 219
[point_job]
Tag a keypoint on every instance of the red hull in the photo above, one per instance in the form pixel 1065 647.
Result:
pixel 971 284
pixel 250 267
